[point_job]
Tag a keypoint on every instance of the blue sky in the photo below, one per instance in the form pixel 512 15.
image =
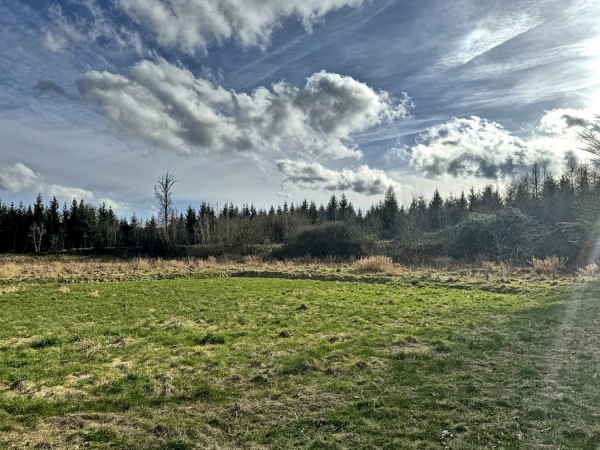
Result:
pixel 266 101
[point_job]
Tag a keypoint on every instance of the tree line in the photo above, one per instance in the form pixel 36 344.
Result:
pixel 537 214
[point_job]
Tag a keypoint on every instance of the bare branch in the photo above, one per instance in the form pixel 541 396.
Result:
pixel 591 139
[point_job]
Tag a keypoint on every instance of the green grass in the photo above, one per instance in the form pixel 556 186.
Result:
pixel 277 363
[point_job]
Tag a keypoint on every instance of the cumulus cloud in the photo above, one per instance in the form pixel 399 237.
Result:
pixel 561 129
pixel 363 180
pixel 568 122
pixel 172 108
pixel 474 147
pixel 18 178
pixel 482 148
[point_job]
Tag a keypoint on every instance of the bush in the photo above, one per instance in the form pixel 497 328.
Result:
pixel 471 237
pixel 322 241
pixel 507 235
pixel 549 266
pixel 374 264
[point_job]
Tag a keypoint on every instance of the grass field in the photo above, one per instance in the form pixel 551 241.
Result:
pixel 205 360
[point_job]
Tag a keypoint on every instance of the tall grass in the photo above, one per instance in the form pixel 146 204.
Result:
pixel 550 266
pixel 375 264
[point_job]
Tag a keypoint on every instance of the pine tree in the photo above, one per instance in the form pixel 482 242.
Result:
pixel 332 209
pixel 435 211
pixel 190 224
pixel 389 213
pixel 313 214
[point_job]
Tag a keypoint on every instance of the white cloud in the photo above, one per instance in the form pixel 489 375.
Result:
pixel 54 42
pixel 487 35
pixel 481 148
pixel 560 130
pixel 568 122
pixel 190 26
pixel 194 25
pixel 314 176
pixel 20 178
pixel 17 177
pixel 91 25
pixel 473 147
pixel 400 153
pixel 172 108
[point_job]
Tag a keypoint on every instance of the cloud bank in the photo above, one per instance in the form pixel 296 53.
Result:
pixel 464 147
pixel 172 108
pixel 18 178
pixel 314 176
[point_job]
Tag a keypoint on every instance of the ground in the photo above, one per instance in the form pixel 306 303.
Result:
pixel 198 354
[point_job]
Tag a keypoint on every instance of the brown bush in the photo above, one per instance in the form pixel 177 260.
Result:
pixel 374 264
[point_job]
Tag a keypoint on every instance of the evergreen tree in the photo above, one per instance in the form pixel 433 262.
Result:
pixel 332 209
pixel 435 211
pixel 473 200
pixel 190 224
pixel 313 214
pixel 389 213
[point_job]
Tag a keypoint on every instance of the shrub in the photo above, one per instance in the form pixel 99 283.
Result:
pixel 374 264
pixel 252 260
pixel 549 266
pixel 590 270
pixel 321 241
pixel 471 237
pixel 141 264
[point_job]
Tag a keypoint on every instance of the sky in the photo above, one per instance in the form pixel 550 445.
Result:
pixel 265 101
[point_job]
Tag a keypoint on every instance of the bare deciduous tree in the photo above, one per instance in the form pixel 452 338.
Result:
pixel 36 234
pixel 163 194
pixel 591 138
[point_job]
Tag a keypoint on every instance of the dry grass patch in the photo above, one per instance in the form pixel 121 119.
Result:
pixel 10 270
pixel 375 264
pixel 550 266
pixel 177 322
pixel 120 365
pixel 141 264
pixel 60 393
pixel 90 348
pixel 9 290
pixel 591 270
pixel 77 430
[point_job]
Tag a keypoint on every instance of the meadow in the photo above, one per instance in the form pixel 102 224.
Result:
pixel 341 355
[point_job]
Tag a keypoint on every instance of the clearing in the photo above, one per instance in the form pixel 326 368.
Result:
pixel 214 361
